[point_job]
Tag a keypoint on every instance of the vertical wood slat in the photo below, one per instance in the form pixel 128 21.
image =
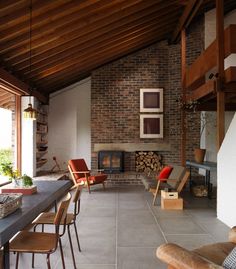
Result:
pixel 220 70
pixel 18 132
pixel 183 82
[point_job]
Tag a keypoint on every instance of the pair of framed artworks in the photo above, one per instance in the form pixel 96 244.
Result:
pixel 151 101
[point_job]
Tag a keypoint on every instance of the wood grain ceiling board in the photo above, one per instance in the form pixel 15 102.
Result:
pixel 70 38
pixel 7 100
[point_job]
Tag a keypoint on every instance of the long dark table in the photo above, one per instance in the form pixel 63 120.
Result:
pixel 48 192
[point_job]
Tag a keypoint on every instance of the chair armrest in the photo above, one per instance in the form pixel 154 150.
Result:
pixel 180 258
pixel 75 186
pixel 97 170
pixel 232 235
pixel 81 172
pixel 170 179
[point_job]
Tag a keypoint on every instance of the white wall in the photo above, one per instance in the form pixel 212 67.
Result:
pixel 226 159
pixel 69 127
pixel 28 140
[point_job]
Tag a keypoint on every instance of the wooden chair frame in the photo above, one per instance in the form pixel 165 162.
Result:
pixel 179 188
pixel 86 175
pixel 20 246
pixel 47 219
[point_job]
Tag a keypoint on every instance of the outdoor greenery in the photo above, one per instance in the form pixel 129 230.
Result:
pixel 6 156
pixel 6 169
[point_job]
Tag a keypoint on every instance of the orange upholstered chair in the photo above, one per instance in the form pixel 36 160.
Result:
pixel 81 174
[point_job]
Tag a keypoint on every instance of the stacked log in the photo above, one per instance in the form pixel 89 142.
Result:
pixel 148 161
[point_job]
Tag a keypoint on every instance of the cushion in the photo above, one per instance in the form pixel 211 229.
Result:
pixel 94 179
pixel 164 174
pixel 77 165
pixel 230 260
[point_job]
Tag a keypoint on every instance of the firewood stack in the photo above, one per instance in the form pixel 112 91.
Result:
pixel 148 162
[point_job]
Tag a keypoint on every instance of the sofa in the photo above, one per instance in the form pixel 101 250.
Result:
pixel 206 257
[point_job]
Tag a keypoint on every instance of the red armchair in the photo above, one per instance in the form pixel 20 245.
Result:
pixel 81 175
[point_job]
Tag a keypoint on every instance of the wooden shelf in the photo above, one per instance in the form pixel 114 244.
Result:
pixel 41 133
pixel 42 122
pixel 41 153
pixel 41 143
pixel 41 162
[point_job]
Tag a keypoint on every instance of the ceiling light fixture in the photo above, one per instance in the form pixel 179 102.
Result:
pixel 30 112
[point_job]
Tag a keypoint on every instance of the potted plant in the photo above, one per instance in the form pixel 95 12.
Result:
pixel 6 169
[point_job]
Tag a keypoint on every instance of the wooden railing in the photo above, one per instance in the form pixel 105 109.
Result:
pixel 208 60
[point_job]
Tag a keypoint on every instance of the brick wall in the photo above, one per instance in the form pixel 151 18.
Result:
pixel 115 91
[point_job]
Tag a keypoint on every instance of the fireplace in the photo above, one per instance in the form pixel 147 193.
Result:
pixel 111 161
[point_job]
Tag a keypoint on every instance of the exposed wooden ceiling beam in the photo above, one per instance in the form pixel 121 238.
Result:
pixel 95 44
pixel 101 57
pixel 187 16
pixel 14 85
pixel 50 29
pixel 22 14
pixel 81 27
pixel 58 15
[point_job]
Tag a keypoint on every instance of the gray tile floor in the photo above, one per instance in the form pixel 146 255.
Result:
pixel 120 229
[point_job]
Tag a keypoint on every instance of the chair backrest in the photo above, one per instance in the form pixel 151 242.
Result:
pixel 77 165
pixel 183 181
pixel 76 199
pixel 176 176
pixel 62 210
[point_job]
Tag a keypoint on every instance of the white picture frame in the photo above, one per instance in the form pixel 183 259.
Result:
pixel 151 100
pixel 151 126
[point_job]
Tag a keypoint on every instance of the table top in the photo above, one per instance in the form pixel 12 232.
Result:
pixel 204 165
pixel 32 206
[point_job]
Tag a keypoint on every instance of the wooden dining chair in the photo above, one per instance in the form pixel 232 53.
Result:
pixel 40 242
pixel 48 217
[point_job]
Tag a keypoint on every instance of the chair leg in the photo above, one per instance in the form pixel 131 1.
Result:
pixel 77 237
pixel 88 188
pixel 48 261
pixel 156 192
pixel 62 255
pixel 71 246
pixel 32 260
pixel 17 260
pixel 103 185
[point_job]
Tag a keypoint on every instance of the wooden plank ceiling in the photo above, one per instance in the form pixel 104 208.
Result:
pixel 7 100
pixel 70 38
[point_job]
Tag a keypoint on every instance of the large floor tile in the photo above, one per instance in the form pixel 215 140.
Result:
pixel 138 258
pixel 190 241
pixel 146 235
pixel 180 226
pixel 217 229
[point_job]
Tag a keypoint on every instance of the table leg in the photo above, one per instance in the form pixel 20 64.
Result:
pixel 190 178
pixel 208 182
pixel 6 256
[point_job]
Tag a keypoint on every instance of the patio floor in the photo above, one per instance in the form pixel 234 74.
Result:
pixel 120 229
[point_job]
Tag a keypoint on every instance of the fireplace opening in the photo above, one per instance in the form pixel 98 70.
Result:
pixel 111 161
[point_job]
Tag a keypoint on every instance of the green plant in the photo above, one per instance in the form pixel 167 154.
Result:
pixel 6 155
pixel 27 181
pixel 6 169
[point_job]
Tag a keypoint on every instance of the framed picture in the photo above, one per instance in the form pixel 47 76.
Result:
pixel 151 126
pixel 151 100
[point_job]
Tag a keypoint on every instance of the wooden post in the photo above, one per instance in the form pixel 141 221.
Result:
pixel 183 82
pixel 18 132
pixel 220 70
